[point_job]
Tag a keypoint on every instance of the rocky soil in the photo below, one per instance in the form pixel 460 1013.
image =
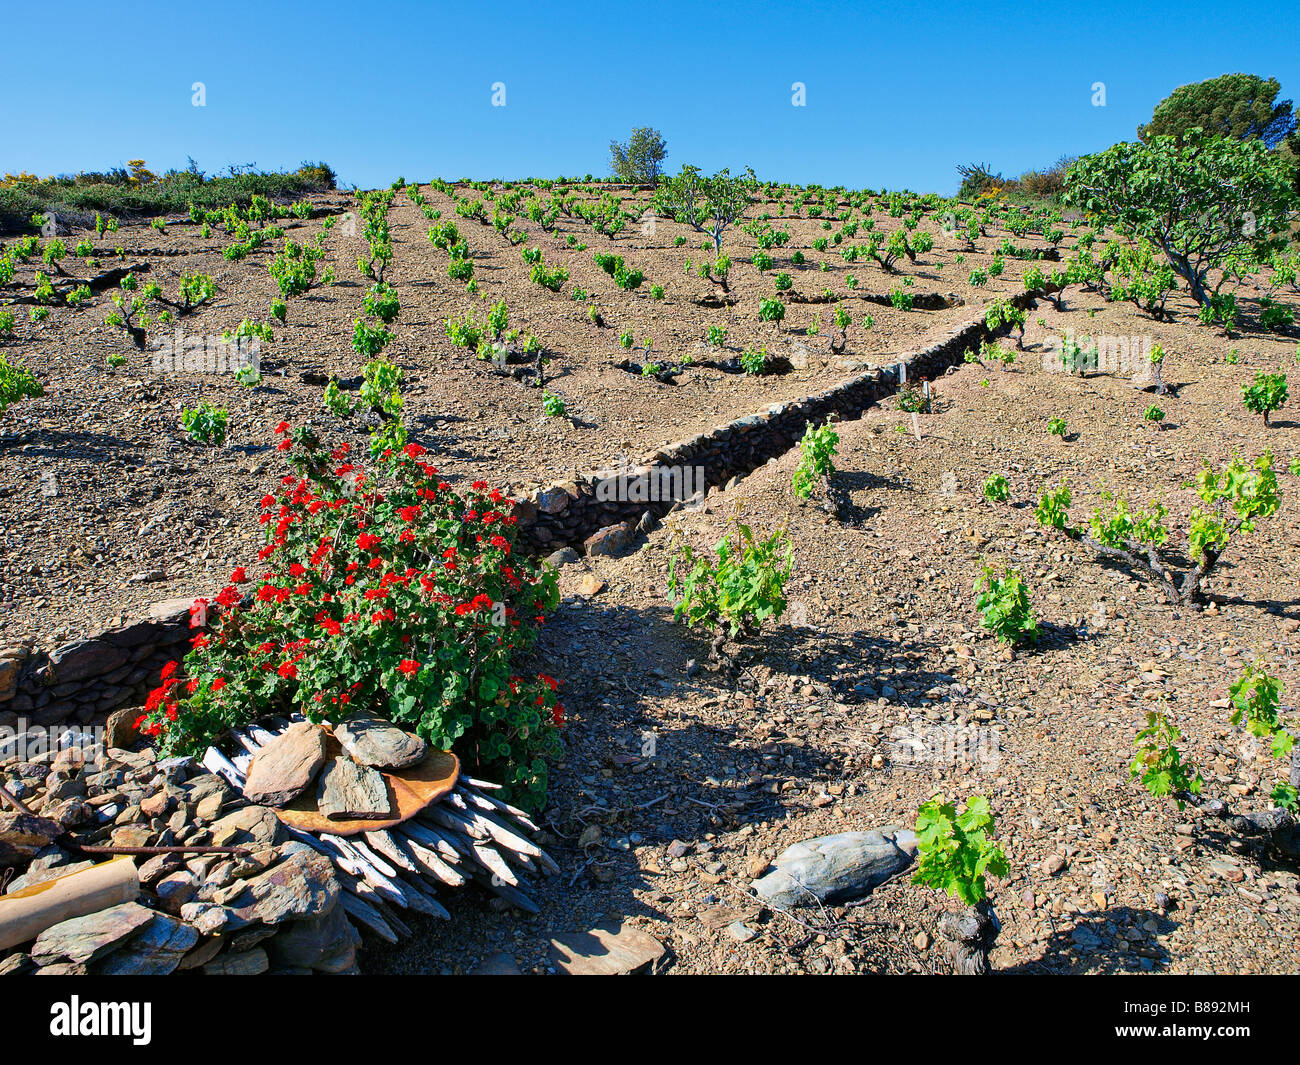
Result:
pixel 680 785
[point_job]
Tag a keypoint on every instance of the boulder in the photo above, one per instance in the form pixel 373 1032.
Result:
pixel 82 939
pixel 348 790
pixel 836 868
pixel 286 766
pixel 610 540
pixel 22 835
pixel 376 741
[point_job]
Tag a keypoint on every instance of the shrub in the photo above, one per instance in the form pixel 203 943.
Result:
pixel 754 360
pixel 816 458
pixel 205 424
pixel 996 489
pixel 1159 764
pixel 955 851
pixel 1266 394
pixel 16 383
pixel 385 589
pixel 736 594
pixel 1003 603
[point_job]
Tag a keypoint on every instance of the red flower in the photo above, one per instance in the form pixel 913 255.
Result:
pixel 479 486
pixel 414 451
pixel 169 670
pixel 408 666
pixel 282 428
pixel 367 541
pixel 218 684
pixel 557 714
pixel 409 514
pixel 238 576
pixel 288 670
pixel 284 445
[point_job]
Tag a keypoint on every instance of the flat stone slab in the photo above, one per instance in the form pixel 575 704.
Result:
pixel 610 949
pixel 836 868
pixel 350 791
pixel 376 741
pixel 83 939
pixel 156 951
pixel 286 766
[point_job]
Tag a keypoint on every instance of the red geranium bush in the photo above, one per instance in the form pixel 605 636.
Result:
pixel 385 590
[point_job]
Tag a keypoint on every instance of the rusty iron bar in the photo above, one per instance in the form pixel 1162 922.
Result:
pixel 15 802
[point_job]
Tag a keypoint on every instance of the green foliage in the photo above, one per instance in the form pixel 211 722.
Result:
pixel 1053 509
pixel 1207 201
pixel 1241 106
pixel 553 405
pixel 1057 427
pixel 996 489
pixel 754 360
pixel 771 310
pixel 205 424
pixel 1003 602
pixel 955 852
pixel 638 160
pixel 707 204
pixel 367 340
pixel 739 591
pixel 1240 495
pixel 816 458
pixel 381 302
pixel 1266 394
pixel 1159 764
pixel 1255 698
pixel 16 383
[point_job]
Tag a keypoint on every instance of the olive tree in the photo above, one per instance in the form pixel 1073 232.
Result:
pixel 708 204
pixel 1208 202
pixel 638 160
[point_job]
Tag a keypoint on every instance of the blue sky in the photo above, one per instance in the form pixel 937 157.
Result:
pixel 897 94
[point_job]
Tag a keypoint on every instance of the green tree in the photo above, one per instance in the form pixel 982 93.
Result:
pixel 639 160
pixel 1208 202
pixel 1244 106
pixel 708 204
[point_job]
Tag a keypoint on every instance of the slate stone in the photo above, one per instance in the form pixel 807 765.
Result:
pixel 836 868
pixel 347 791
pixel 376 741
pixel 286 766
pixel 82 939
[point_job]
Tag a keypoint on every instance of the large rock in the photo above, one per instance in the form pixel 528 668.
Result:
pixel 82 939
pixel 610 949
pixel 22 835
pixel 376 741
pixel 156 951
pixel 286 766
pixel 836 868
pixel 348 791
pixel 610 540
pixel 303 885
pixel 327 942
pixel 247 826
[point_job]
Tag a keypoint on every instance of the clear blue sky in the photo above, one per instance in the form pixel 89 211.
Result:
pixel 897 92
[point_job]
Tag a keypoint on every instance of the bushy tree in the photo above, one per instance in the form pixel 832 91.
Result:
pixel 1243 106
pixel 1207 202
pixel 638 160
pixel 708 204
